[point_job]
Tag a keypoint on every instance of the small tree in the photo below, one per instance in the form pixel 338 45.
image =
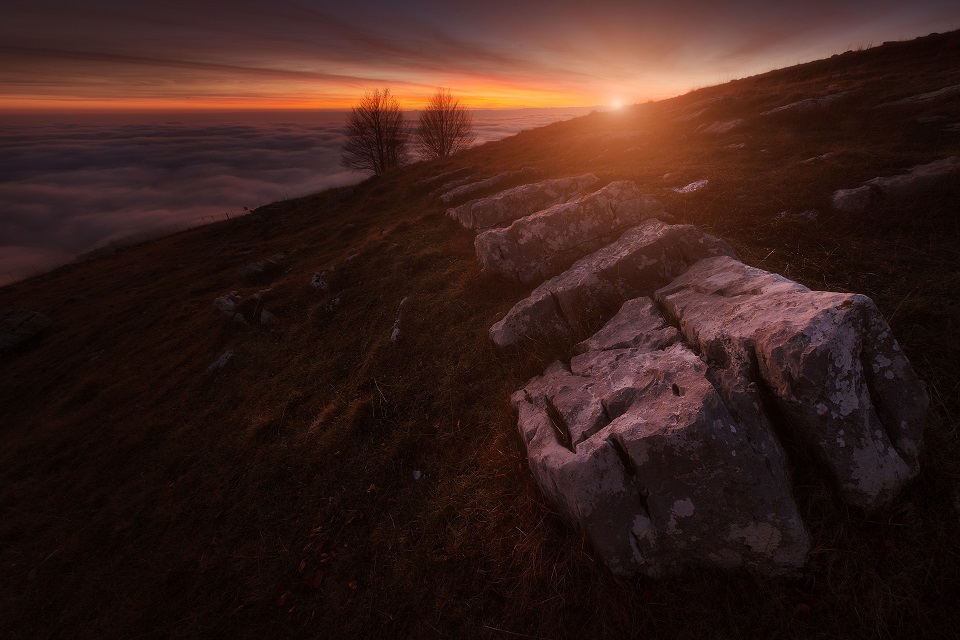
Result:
pixel 377 136
pixel 445 127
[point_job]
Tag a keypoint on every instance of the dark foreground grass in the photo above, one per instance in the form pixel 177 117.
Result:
pixel 330 482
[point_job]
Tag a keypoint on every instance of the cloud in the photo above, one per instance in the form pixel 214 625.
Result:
pixel 68 188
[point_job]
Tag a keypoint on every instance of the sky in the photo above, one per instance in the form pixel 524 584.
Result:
pixel 124 55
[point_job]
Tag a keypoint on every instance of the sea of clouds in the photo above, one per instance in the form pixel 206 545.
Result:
pixel 69 187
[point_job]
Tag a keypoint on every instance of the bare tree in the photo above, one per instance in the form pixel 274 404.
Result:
pixel 377 136
pixel 445 127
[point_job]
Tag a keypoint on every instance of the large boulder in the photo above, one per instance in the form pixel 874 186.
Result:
pixel 807 105
pixel 828 360
pixel 641 261
pixel 658 466
pixel 542 245
pixel 520 201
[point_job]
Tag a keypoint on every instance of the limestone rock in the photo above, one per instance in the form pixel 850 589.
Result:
pixel 829 360
pixel 640 451
pixel 916 181
pixel 263 269
pixel 855 200
pixel 638 325
pixel 220 362
pixel 470 188
pixel 446 177
pixel 19 326
pixel 808 105
pixel 520 201
pixel 723 127
pixel 542 245
pixel 693 186
pixel 946 92
pixel 641 261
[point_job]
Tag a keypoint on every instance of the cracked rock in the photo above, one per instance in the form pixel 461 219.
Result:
pixel 542 245
pixel 643 453
pixel 829 360
pixel 641 261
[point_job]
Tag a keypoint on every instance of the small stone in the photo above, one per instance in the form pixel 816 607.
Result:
pixel 220 362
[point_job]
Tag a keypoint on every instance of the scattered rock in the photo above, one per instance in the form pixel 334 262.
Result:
pixel 808 105
pixel 693 186
pixel 268 319
pixel 395 331
pixel 829 361
pixel 220 362
pixel 641 261
pixel 507 206
pixel 918 180
pixel 809 214
pixel 946 92
pixel 333 305
pixel 639 449
pixel 737 145
pixel 227 304
pixel 855 200
pixel 445 177
pixel 19 326
pixel 541 245
pixel 263 269
pixel 723 127
pixel 319 280
pixel 820 158
pixel 475 187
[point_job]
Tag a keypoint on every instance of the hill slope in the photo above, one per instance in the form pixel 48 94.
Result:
pixel 332 482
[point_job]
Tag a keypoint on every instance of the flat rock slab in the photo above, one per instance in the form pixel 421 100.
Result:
pixel 918 180
pixel 829 361
pixel 641 261
pixel 640 450
pixel 507 206
pixel 477 186
pixel 542 245
pixel 808 105
pixel 19 326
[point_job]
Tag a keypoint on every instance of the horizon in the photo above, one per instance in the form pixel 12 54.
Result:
pixel 311 56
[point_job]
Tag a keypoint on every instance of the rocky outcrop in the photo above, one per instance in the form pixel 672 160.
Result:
pixel 542 245
pixel 918 180
pixel 722 127
pixel 19 326
pixel 470 188
pixel 641 261
pixel 828 360
pixel 808 105
pixel 263 270
pixel 658 467
pixel 442 178
pixel 946 92
pixel 521 201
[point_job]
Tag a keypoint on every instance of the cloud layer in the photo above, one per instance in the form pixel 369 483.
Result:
pixel 68 188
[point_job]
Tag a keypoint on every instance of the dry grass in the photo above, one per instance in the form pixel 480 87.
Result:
pixel 332 483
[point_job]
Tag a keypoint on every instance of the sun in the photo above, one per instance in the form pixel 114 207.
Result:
pixel 616 103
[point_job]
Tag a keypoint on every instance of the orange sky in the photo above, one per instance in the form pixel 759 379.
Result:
pixel 58 55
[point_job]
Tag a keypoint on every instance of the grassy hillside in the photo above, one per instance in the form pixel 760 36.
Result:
pixel 330 482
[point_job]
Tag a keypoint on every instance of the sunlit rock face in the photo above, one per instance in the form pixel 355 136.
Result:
pixel 828 359
pixel 641 261
pixel 659 466
pixel 660 440
pixel 507 206
pixel 544 244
